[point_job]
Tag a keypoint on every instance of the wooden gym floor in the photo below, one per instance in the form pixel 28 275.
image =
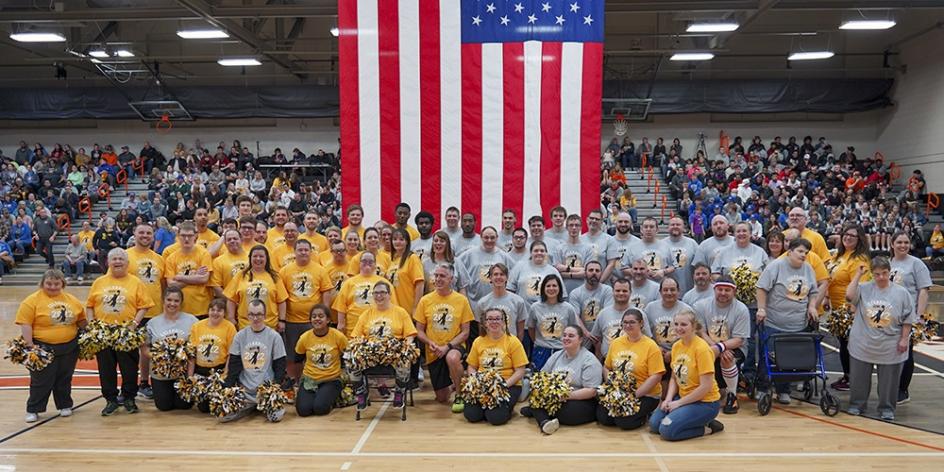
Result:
pixel 796 437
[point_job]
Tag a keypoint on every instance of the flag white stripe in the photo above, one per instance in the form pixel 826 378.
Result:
pixel 450 64
pixel 533 55
pixel 409 44
pixel 492 134
pixel 571 90
pixel 369 99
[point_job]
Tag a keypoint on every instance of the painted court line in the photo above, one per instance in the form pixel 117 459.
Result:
pixel 370 429
pixel 920 366
pixel 510 455
pixel 652 448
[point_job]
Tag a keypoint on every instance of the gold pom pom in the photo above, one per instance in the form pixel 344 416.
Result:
pixel 270 398
pixel 745 280
pixel 96 335
pixel 618 394
pixel 170 356
pixel 924 329
pixel 191 389
pixel 549 390
pixel 129 337
pixel 371 351
pixel 486 388
pixel 225 401
pixel 34 359
pixel 839 321
pixel 347 397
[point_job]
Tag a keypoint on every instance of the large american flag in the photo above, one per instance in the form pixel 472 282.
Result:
pixel 478 104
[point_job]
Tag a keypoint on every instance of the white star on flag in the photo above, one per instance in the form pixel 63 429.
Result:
pixel 518 7
pixel 587 20
pixel 545 7
pixel 560 20
pixel 574 7
pixel 532 18
pixel 504 20
pixel 476 20
pixel 490 8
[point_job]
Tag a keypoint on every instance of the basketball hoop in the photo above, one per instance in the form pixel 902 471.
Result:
pixel 620 126
pixel 165 125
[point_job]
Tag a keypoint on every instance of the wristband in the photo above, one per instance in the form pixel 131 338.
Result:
pixel 721 347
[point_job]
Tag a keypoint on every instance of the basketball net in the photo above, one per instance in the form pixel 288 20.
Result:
pixel 620 126
pixel 165 125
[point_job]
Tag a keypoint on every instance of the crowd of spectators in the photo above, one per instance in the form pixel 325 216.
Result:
pixel 760 183
pixel 37 185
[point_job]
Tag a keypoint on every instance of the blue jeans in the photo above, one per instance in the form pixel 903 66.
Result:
pixel 685 422
pixel 750 362
pixel 79 268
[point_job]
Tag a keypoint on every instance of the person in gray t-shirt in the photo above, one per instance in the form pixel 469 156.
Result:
pixel 256 355
pixel 913 274
pixel 514 309
pixel 786 291
pixel 880 336
pixel 171 324
pixel 726 325
pixel 661 313
pixel 526 276
pixel 478 261
pixel 573 255
pixel 590 298
pixel 681 251
pixel 643 289
pixel 742 253
pixel 709 247
pixel 702 289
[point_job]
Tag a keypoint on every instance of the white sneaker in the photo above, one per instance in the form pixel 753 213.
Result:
pixel 81 279
pixel 276 416
pixel 783 398
pixel 550 426
pixel 32 417
pixel 65 412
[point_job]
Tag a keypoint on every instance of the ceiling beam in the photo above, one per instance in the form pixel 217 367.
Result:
pixel 165 13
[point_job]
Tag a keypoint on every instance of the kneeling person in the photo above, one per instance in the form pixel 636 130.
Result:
pixel 256 355
pixel 726 325
pixel 320 350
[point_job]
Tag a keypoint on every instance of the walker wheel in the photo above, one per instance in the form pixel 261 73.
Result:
pixel 807 390
pixel 357 415
pixel 829 404
pixel 764 402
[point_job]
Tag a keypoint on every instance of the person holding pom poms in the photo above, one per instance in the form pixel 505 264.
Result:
pixel 171 324
pixel 257 355
pixel 384 320
pixel 500 351
pixel 211 339
pixel 692 401
pixel 638 355
pixel 49 318
pixel 583 375
pixel 913 274
pixel 116 298
pixel 319 351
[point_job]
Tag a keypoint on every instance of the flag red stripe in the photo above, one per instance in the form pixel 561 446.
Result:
pixel 430 110
pixel 513 116
pixel 590 127
pixel 350 104
pixel 472 129
pixel 551 126
pixel 388 42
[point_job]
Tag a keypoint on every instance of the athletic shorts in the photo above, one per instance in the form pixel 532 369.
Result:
pixel 738 360
pixel 439 371
pixel 293 331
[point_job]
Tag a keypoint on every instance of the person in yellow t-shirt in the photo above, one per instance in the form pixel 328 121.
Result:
pixel 797 219
pixel 405 272
pixel 118 297
pixel 231 261
pixel 442 322
pixel 276 234
pixel 284 254
pixel 211 339
pixel 86 236
pixel 356 294
pixel 333 234
pixel 637 354
pixel 402 213
pixel 381 320
pixel 355 219
pixel 50 318
pixel 190 268
pixel 335 270
pixel 259 281
pixel 853 252
pixel 692 401
pixel 935 245
pixel 205 236
pixel 372 246
pixel 216 248
pixel 496 350
pixel 320 348
pixel 318 241
pixel 148 266
pixel 305 282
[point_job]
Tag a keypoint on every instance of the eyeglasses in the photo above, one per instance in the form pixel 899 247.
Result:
pixel 380 293
pixel 494 319
pixel 850 235
pixel 630 322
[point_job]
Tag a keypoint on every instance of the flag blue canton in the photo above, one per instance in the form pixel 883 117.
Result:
pixel 500 21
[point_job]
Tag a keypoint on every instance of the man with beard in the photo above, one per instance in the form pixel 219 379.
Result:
pixel 424 225
pixel 509 223
pixel 702 290
pixel 206 237
pixel 608 325
pixel 720 238
pixel 479 260
pixel 319 242
pixel 621 243
pixel 276 235
pixel 681 252
pixel 468 239
pixel 590 298
pixel 148 266
pixel 600 243
pixel 651 250
pixel 402 213
pixel 725 325
pixel 355 218
pixel 519 246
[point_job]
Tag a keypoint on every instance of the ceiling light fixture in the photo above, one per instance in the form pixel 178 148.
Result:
pixel 867 24
pixel 692 56
pixel 205 33
pixel 712 27
pixel 239 61
pixel 124 53
pixel 810 55
pixel 38 37
pixel 99 53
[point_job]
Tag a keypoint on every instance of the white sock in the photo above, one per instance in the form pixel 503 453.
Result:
pixel 730 375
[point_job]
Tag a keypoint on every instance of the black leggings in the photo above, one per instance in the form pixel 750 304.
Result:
pixel 571 413
pixel 646 406
pixel 499 415
pixel 907 370
pixel 204 406
pixel 165 396
pixel 320 401
pixel 844 356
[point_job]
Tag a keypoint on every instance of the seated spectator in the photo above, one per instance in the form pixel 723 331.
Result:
pixel 75 258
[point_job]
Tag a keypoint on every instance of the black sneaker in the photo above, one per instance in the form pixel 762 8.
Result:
pixel 715 426
pixel 145 392
pixel 361 401
pixel 841 385
pixel 130 406
pixel 110 408
pixel 730 404
pixel 526 412
pixel 903 397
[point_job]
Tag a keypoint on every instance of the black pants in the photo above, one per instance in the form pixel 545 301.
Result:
pixel 109 362
pixel 907 370
pixel 571 413
pixel 55 379
pixel 320 402
pixel 165 396
pixel 646 406
pixel 204 406
pixel 44 247
pixel 844 355
pixel 499 415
